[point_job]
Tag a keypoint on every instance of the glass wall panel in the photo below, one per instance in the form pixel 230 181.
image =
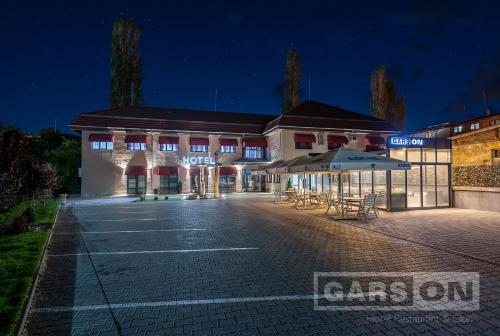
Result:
pixel 312 183
pixel 366 182
pixel 429 155
pixel 325 183
pixel 345 184
pixel 443 196
pixel 295 181
pixel 413 187
pixel 429 185
pixel 398 192
pixel 414 155
pixel 354 184
pixel 380 187
pixel 398 154
pixel 443 156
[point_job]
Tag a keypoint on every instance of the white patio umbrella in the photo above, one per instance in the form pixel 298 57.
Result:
pixel 344 159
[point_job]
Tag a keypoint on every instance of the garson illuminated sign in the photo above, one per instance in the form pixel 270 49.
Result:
pixel 198 160
pixel 405 141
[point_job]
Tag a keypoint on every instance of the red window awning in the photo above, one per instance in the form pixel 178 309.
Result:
pixel 166 171
pixel 255 142
pixel 304 137
pixel 198 141
pixel 227 171
pixel 100 137
pixel 336 140
pixel 195 171
pixel 228 142
pixel 136 138
pixel 136 170
pixel 166 140
pixel 374 140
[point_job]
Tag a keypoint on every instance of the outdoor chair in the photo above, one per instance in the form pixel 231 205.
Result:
pixel 367 207
pixel 332 201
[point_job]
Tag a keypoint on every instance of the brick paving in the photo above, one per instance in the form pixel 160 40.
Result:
pixel 290 245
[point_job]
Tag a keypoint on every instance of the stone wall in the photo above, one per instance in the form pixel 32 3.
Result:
pixel 476 176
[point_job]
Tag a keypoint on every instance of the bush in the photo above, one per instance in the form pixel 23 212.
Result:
pixel 20 223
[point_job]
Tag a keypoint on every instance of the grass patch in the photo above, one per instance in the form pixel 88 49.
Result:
pixel 19 257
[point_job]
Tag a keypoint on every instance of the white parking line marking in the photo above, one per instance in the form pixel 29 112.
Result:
pixel 120 220
pixel 179 303
pixel 126 231
pixel 151 252
pixel 121 213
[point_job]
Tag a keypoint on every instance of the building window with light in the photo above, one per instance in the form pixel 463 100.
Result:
pixel 474 126
pixel 101 145
pixel 254 153
pixel 228 149
pixel 169 147
pixel 458 129
pixel 136 146
pixel 199 148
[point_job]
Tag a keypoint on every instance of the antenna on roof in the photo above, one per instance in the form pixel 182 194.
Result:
pixel 215 100
pixel 484 99
pixel 309 87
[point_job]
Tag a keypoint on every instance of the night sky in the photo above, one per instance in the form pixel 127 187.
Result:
pixel 54 62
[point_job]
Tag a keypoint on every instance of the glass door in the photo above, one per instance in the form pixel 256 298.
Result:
pixel 136 184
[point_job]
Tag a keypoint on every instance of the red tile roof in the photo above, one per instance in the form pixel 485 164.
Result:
pixel 309 115
pixel 315 115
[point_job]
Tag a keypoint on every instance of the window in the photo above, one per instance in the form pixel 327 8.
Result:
pixel 269 178
pixel 254 153
pixel 494 122
pixel 277 179
pixel 495 153
pixel 101 145
pixel 303 145
pixel 199 148
pixel 458 129
pixel 228 149
pixel 169 147
pixel 332 146
pixel 474 126
pixel 136 146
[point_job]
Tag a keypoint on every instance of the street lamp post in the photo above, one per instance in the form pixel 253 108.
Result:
pixel 216 174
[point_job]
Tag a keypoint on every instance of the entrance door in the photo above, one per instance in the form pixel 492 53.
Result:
pixel 227 183
pixel 195 183
pixel 136 184
pixel 169 184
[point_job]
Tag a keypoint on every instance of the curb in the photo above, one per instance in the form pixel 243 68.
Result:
pixel 27 305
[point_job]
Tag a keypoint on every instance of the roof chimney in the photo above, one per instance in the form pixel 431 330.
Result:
pixel 489 110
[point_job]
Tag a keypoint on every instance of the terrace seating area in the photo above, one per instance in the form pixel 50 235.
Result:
pixel 335 204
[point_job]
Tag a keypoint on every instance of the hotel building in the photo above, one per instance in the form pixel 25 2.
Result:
pixel 135 150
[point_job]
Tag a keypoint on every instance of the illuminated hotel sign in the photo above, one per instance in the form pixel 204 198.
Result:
pixel 405 142
pixel 198 160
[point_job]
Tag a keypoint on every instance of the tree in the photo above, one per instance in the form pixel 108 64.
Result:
pixel 13 151
pixel 126 65
pixel 66 161
pixel 399 113
pixel 384 103
pixel 42 181
pixel 291 88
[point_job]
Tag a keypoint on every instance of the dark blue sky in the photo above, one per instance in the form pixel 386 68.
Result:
pixel 55 55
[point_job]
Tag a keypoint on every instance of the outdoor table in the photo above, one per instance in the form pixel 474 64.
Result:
pixel 316 198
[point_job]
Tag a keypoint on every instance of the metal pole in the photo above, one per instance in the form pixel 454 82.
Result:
pixel 216 175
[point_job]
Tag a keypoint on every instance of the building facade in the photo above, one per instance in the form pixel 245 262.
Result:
pixel 138 150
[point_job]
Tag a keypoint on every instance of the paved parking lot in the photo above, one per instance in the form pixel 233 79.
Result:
pixel 238 266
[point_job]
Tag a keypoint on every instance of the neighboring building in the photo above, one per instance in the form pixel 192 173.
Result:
pixel 475 163
pixel 141 150
pixel 471 125
pixel 476 168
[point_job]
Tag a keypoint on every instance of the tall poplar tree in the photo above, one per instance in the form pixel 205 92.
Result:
pixel 126 65
pixel 384 102
pixel 291 87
